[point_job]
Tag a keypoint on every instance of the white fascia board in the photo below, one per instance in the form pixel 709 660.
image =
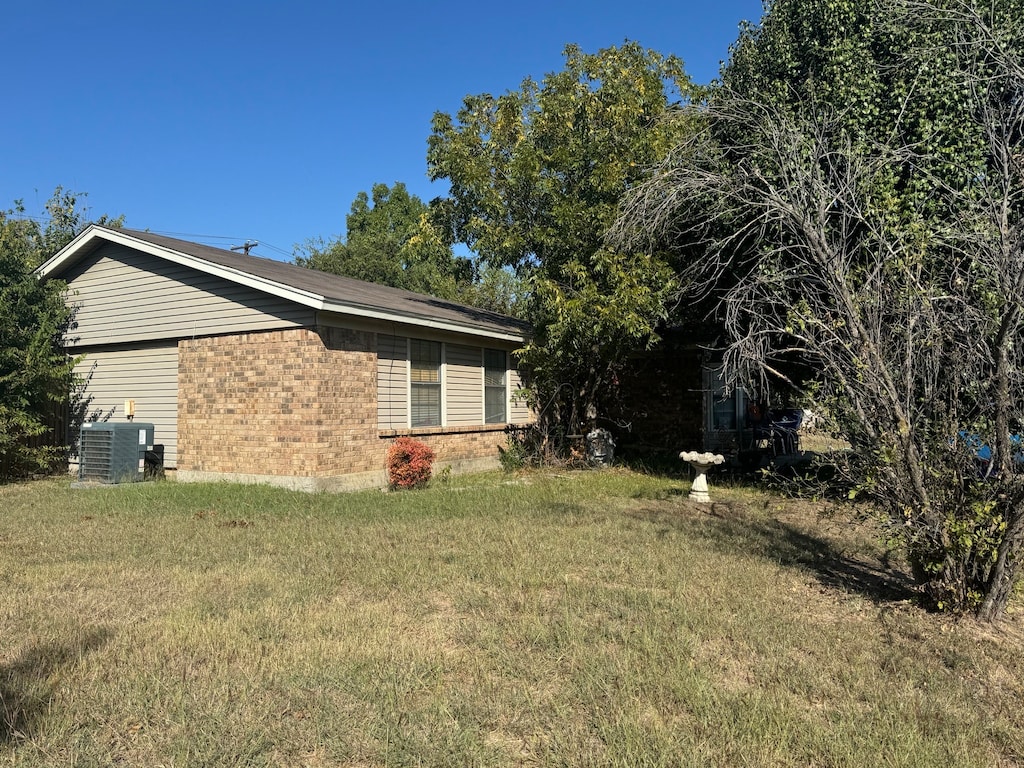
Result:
pixel 423 322
pixel 65 253
pixel 305 298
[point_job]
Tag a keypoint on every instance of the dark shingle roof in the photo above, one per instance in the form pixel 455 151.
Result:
pixel 342 291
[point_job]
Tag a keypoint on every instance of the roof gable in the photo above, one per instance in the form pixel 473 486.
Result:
pixel 307 287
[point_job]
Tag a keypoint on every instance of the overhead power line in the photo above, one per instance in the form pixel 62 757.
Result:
pixel 192 235
pixel 275 249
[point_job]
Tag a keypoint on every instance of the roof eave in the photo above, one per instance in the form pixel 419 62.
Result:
pixel 84 242
pixel 421 321
pixel 69 254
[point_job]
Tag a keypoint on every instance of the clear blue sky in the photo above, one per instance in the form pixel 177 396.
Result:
pixel 220 121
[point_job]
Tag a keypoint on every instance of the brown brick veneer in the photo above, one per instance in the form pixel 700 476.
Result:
pixel 660 398
pixel 298 403
pixel 301 403
pixel 456 444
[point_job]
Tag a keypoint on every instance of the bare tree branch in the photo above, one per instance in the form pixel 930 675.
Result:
pixel 910 315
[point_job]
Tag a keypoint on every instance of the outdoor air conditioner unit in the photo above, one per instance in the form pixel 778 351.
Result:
pixel 114 452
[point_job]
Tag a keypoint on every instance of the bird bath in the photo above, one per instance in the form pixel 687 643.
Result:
pixel 701 463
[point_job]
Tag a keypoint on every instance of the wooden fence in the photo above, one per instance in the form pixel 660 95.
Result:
pixel 57 437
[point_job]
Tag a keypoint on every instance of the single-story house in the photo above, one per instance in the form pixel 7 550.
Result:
pixel 255 370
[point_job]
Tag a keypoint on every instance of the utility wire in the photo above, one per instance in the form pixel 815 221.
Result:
pixel 215 240
pixel 275 249
pixel 207 240
pixel 192 235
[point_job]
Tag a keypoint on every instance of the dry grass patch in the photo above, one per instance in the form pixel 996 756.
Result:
pixel 574 619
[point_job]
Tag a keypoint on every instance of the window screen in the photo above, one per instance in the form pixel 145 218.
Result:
pixel 425 382
pixel 726 410
pixel 495 395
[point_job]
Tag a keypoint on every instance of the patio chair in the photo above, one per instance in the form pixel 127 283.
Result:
pixel 785 425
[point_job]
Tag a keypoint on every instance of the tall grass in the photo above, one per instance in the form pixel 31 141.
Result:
pixel 574 619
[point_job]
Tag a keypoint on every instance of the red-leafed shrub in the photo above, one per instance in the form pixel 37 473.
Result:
pixel 409 463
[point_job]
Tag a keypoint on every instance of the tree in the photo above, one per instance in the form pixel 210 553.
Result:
pixel 888 84
pixel 887 260
pixel 496 289
pixel 535 177
pixel 391 241
pixel 35 373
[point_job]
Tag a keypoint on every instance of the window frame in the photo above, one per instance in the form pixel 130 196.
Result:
pixel 429 387
pixel 490 391
pixel 735 403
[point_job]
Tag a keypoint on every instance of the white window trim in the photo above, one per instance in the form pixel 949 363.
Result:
pixel 711 376
pixel 408 382
pixel 444 384
pixel 508 411
pixel 483 386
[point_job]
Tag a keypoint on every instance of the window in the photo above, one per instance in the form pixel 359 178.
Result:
pixel 422 384
pixel 727 410
pixel 425 382
pixel 495 395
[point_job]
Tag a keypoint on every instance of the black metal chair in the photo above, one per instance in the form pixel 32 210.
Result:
pixel 785 426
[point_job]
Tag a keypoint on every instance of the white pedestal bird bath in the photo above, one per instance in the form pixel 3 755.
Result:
pixel 701 463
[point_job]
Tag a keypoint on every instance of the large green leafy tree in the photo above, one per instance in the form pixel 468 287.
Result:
pixel 391 241
pixel 536 176
pixel 859 184
pixel 893 77
pixel 35 374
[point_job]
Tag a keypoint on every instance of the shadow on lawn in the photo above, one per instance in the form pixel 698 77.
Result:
pixel 26 684
pixel 729 529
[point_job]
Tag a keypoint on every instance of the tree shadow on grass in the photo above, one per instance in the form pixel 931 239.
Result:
pixel 730 530
pixel 26 684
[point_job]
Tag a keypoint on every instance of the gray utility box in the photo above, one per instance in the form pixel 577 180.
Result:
pixel 114 452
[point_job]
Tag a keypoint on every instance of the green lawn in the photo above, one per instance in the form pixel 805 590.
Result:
pixel 548 619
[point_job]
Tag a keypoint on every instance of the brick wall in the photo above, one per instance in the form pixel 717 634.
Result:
pixel 455 444
pixel 662 400
pixel 298 403
pixel 347 426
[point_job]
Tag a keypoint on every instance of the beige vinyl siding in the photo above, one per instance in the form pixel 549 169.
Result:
pixel 123 295
pixel 146 374
pixel 464 381
pixel 392 382
pixel 519 413
pixel 463 385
